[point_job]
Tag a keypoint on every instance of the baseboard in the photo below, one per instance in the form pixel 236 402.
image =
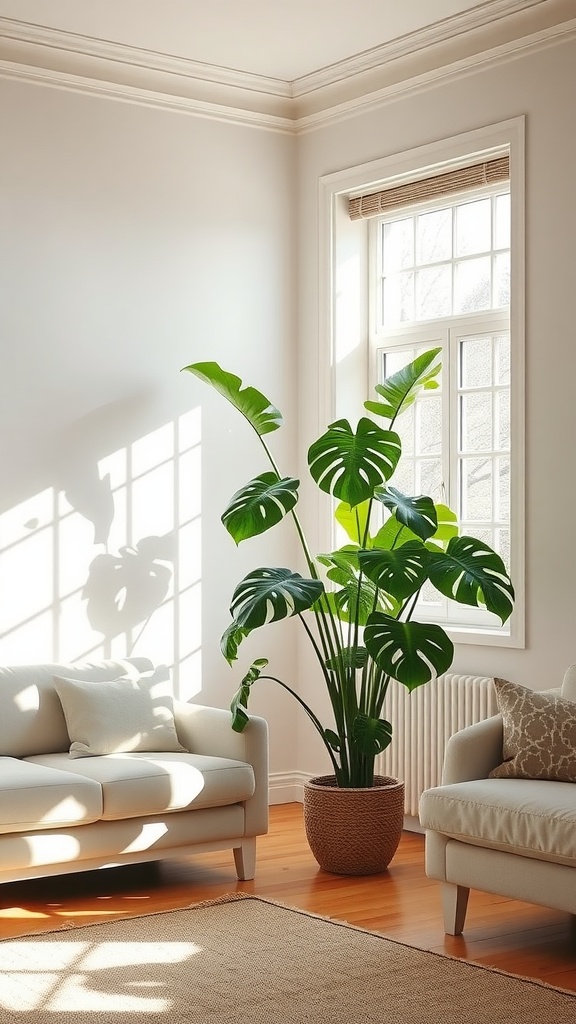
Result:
pixel 288 788
pixel 412 824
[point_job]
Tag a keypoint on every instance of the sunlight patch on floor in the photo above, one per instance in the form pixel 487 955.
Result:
pixel 82 976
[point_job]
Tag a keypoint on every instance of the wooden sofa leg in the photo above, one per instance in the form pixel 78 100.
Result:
pixel 245 858
pixel 454 906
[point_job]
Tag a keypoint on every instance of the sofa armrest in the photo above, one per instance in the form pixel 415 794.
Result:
pixel 473 752
pixel 207 730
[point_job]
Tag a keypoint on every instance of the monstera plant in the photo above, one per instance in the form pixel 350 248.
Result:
pixel 356 604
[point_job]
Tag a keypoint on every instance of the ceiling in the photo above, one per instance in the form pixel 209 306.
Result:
pixel 279 39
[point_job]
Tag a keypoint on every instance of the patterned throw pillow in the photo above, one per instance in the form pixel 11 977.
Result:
pixel 539 734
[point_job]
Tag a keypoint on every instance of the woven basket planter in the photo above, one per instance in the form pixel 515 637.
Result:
pixel 353 831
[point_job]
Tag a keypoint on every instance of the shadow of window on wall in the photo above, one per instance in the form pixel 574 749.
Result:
pixel 107 562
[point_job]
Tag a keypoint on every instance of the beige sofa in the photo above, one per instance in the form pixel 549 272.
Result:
pixel 512 836
pixel 62 813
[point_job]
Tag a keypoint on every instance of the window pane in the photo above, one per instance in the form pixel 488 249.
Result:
pixel 503 489
pixel 404 477
pixel 476 423
pixel 476 499
pixel 476 362
pixel 484 535
pixel 503 359
pixel 502 279
pixel 472 285
pixel 429 426
pixel 502 545
pixel 430 597
pixel 398 298
pixel 434 292
pixel 473 228
pixel 404 426
pixel 429 477
pixel 398 245
pixel 434 236
pixel 502 227
pixel 394 360
pixel 503 420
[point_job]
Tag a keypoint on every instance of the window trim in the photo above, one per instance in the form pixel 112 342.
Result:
pixel 343 243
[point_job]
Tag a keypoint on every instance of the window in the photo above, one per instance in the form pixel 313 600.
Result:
pixel 444 261
pixel 409 264
pixel 441 277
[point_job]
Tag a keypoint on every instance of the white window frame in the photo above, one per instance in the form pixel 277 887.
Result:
pixel 345 365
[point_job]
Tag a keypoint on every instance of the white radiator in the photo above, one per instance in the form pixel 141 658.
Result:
pixel 422 723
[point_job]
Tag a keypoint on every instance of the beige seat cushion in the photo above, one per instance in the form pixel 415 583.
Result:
pixel 139 784
pixel 531 818
pixel 35 797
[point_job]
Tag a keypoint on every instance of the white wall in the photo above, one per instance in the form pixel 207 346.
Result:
pixel 134 241
pixel 541 86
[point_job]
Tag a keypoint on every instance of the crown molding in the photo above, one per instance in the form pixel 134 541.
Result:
pixel 496 31
pixel 487 14
pixel 459 69
pixel 50 39
pixel 148 98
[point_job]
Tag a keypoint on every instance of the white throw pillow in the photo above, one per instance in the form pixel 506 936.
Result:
pixel 119 715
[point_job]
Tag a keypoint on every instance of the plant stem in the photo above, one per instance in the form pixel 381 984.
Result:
pixel 324 620
pixel 310 561
pixel 313 718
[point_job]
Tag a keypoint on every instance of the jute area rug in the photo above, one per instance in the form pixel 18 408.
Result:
pixel 246 960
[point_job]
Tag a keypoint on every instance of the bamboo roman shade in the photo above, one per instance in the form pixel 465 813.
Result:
pixel 461 179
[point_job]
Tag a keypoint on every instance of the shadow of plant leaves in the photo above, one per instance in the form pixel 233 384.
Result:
pixel 124 590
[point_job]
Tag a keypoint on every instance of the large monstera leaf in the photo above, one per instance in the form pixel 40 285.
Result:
pixel 400 390
pixel 400 572
pixel 472 573
pixel 371 735
pixel 254 406
pixel 411 652
pixel 266 595
pixel 356 597
pixel 259 505
pixel 394 533
pixel 351 465
pixel 418 514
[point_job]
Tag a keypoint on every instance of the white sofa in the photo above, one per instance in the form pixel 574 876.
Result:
pixel 512 836
pixel 60 813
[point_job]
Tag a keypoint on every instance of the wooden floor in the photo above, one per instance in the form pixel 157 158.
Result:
pixel 401 903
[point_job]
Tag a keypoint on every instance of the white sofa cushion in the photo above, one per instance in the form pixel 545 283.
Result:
pixel 32 720
pixel 112 841
pixel 528 817
pixel 119 715
pixel 140 784
pixel 35 797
